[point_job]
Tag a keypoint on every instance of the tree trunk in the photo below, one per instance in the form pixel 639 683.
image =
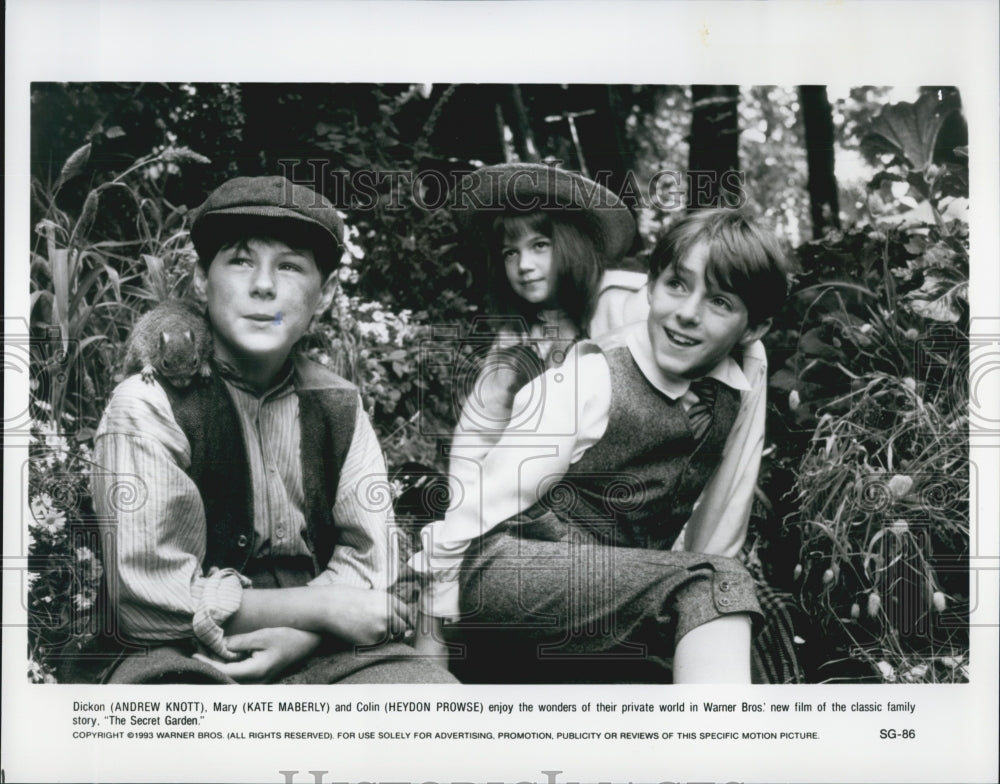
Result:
pixel 824 205
pixel 714 145
pixel 520 127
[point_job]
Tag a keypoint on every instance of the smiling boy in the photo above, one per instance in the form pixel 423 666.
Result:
pixel 249 553
pixel 571 526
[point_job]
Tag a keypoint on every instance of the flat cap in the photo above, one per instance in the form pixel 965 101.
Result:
pixel 269 206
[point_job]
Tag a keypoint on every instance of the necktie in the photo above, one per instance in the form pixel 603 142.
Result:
pixel 700 413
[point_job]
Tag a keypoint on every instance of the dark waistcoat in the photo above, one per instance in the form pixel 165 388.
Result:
pixel 637 486
pixel 221 471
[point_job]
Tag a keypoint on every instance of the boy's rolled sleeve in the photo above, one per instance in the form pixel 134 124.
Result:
pixel 217 597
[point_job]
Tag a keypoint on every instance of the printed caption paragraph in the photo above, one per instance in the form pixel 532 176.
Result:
pixel 676 722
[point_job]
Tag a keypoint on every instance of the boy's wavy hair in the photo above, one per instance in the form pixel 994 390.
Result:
pixel 577 253
pixel 743 258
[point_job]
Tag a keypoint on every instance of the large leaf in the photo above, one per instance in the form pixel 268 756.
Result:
pixel 940 298
pixel 911 129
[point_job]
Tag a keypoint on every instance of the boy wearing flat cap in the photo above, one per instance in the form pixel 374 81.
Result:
pixel 250 554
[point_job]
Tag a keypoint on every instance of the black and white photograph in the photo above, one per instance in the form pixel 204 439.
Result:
pixel 575 418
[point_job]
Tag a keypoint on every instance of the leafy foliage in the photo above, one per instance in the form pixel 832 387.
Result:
pixel 868 475
pixel 380 351
pixel 873 393
pixel 910 130
pixel 65 589
pixel 88 289
pixel 398 229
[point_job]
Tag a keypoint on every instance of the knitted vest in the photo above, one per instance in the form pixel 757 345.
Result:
pixel 637 486
pixel 220 469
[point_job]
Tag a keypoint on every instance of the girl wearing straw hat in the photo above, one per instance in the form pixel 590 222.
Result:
pixel 550 236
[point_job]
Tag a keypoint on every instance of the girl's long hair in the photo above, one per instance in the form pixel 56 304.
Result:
pixel 577 253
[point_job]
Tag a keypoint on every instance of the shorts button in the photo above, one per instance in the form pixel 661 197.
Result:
pixel 724 601
pixel 242 541
pixel 724 585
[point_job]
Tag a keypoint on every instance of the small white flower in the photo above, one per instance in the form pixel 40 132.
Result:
pixel 887 671
pixel 900 485
pixel 47 517
pixel 53 439
pixel 39 673
pixel 917 672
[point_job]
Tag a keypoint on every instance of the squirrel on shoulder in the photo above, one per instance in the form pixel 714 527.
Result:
pixel 173 341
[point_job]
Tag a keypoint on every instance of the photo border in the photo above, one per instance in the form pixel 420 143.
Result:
pixel 894 43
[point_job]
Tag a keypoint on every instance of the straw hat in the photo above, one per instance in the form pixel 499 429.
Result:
pixel 530 187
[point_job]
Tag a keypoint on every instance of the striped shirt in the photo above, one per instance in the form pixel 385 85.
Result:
pixel 140 484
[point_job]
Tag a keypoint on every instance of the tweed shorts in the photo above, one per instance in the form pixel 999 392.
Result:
pixel 553 592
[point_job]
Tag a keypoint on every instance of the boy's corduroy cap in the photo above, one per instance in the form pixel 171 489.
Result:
pixel 272 207
pixel 530 187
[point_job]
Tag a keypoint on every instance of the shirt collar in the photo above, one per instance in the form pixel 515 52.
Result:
pixel 727 371
pixel 282 383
